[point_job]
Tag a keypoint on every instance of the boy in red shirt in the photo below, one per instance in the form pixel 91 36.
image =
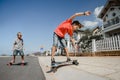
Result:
pixel 66 27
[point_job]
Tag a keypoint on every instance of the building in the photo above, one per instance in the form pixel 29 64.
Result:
pixel 110 14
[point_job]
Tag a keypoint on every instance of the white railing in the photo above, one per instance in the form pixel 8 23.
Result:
pixel 107 44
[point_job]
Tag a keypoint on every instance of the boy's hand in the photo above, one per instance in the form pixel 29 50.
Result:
pixel 87 13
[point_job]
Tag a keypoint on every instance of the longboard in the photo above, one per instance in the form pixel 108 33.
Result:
pixel 22 64
pixel 60 64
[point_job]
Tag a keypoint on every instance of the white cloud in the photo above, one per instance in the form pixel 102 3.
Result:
pixel 96 21
pixel 97 10
pixel 90 24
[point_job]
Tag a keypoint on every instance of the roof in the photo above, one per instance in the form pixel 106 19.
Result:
pixel 108 4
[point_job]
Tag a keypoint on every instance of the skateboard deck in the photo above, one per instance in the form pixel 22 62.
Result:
pixel 22 64
pixel 61 64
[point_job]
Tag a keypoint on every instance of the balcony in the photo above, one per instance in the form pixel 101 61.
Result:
pixel 111 22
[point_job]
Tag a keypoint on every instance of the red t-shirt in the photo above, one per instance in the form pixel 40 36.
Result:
pixel 63 28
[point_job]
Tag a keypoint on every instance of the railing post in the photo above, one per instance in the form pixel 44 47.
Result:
pixel 68 45
pixel 118 41
pixel 113 42
pixel 93 46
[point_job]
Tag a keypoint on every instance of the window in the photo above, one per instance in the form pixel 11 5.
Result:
pixel 111 9
pixel 106 15
pixel 109 23
pixel 113 21
pixel 117 20
pixel 119 8
pixel 114 14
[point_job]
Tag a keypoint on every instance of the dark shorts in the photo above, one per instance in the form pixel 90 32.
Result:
pixel 15 52
pixel 57 39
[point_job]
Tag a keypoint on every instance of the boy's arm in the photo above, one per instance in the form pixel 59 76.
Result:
pixel 13 46
pixel 87 13
pixel 73 41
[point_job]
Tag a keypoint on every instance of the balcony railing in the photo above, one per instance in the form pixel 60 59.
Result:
pixel 113 21
pixel 108 44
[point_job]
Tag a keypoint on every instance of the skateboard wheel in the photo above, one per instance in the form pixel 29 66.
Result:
pixel 75 62
pixel 9 64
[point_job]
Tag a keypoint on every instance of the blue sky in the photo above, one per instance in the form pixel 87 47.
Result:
pixel 37 19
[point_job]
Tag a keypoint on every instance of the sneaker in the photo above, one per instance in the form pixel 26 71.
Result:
pixel 68 59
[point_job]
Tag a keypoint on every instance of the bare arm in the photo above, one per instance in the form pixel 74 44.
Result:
pixel 73 41
pixel 87 13
pixel 13 47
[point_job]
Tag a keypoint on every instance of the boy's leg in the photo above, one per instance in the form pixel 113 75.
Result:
pixel 52 55
pixel 66 51
pixel 13 59
pixel 64 45
pixel 55 43
pixel 53 52
pixel 67 54
pixel 14 56
pixel 22 55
